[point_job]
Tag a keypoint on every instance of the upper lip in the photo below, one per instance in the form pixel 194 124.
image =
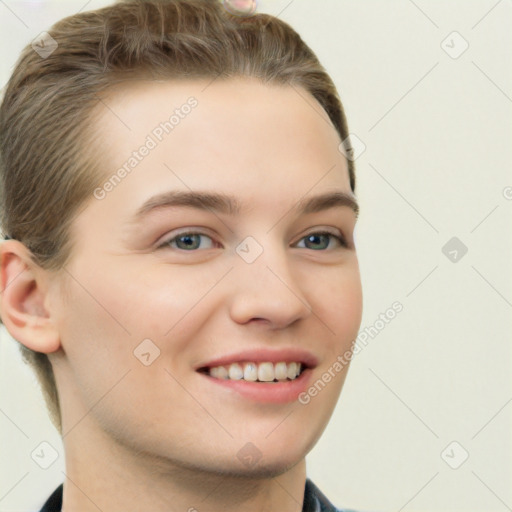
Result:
pixel 287 355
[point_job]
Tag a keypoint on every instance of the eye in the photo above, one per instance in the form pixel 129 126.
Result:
pixel 188 241
pixel 191 241
pixel 318 240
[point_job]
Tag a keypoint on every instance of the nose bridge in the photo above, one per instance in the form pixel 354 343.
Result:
pixel 265 284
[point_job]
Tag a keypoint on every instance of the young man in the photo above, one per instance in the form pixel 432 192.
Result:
pixel 180 266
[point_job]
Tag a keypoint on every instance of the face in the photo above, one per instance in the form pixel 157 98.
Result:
pixel 162 286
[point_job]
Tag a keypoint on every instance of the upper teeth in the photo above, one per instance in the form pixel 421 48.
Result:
pixel 265 372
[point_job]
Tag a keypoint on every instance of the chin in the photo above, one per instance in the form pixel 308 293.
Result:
pixel 259 470
pixel 235 465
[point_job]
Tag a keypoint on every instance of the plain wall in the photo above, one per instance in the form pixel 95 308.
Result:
pixel 437 164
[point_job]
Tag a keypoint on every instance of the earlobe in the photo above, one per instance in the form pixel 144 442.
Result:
pixel 22 299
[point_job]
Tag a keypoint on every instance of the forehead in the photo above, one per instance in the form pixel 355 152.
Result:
pixel 266 146
pixel 235 124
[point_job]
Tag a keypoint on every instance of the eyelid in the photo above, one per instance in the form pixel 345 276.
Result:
pixel 322 229
pixel 331 230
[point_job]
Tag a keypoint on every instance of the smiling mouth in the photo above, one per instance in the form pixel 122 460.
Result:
pixel 266 372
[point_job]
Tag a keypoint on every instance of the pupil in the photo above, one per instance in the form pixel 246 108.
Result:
pixel 189 240
pixel 314 239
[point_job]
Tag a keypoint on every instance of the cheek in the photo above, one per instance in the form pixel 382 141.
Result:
pixel 351 307
pixel 96 345
pixel 94 324
pixel 340 305
pixel 124 300
pixel 109 314
pixel 167 304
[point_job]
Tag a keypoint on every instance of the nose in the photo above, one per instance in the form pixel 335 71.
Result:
pixel 268 289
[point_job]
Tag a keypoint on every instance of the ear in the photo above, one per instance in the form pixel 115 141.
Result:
pixel 23 298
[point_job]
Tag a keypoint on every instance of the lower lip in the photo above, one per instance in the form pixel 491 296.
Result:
pixel 266 392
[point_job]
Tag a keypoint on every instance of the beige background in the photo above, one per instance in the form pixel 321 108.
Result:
pixel 437 164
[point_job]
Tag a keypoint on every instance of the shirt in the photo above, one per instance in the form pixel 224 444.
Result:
pixel 314 500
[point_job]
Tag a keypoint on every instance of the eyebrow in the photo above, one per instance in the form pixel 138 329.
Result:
pixel 230 205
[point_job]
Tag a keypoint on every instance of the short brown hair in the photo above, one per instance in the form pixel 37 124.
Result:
pixel 47 170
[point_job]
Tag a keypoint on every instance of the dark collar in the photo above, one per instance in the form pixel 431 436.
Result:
pixel 314 500
pixel 54 502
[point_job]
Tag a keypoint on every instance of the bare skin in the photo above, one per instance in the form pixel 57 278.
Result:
pixel 164 436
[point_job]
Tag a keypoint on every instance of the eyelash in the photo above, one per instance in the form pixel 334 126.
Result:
pixel 167 243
